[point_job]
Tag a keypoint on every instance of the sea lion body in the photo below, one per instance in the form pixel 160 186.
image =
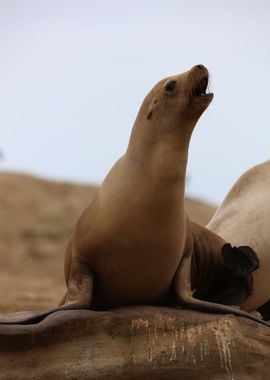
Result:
pixel 134 234
pixel 243 218
pixel 128 260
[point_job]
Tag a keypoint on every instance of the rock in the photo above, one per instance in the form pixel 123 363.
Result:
pixel 139 342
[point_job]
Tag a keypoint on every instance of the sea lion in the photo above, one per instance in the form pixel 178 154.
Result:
pixel 134 243
pixel 243 217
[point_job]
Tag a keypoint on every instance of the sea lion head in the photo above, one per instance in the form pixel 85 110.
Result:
pixel 178 101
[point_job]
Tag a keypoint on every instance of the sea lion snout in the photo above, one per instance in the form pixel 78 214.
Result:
pixel 201 67
pixel 199 77
pixel 199 88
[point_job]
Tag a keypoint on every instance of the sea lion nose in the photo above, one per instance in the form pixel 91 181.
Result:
pixel 201 67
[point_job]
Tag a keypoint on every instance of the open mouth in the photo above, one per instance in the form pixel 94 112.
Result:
pixel 201 88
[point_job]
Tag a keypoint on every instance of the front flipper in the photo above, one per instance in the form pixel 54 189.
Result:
pixel 182 284
pixel 35 317
pixel 80 283
pixel 240 260
pixel 78 295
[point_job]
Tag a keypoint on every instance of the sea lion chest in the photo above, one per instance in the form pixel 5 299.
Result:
pixel 132 237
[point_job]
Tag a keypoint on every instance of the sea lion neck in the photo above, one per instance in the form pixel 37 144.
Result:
pixel 177 141
pixel 160 156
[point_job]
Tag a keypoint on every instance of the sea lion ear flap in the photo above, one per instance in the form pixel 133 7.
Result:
pixel 151 107
pixel 149 115
pixel 241 260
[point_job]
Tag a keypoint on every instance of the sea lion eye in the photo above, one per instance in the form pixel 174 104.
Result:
pixel 170 86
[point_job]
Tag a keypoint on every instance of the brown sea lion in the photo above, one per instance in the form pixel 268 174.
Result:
pixel 244 217
pixel 134 243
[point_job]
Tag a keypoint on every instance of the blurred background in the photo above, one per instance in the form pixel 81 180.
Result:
pixel 73 74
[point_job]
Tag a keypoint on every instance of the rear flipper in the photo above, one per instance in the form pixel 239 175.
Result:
pixel 237 284
pixel 226 295
pixel 182 284
pixel 240 260
pixel 78 295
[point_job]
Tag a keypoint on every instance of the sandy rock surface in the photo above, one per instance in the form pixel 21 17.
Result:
pixel 136 343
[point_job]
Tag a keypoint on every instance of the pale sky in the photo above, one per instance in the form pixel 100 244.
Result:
pixel 73 74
